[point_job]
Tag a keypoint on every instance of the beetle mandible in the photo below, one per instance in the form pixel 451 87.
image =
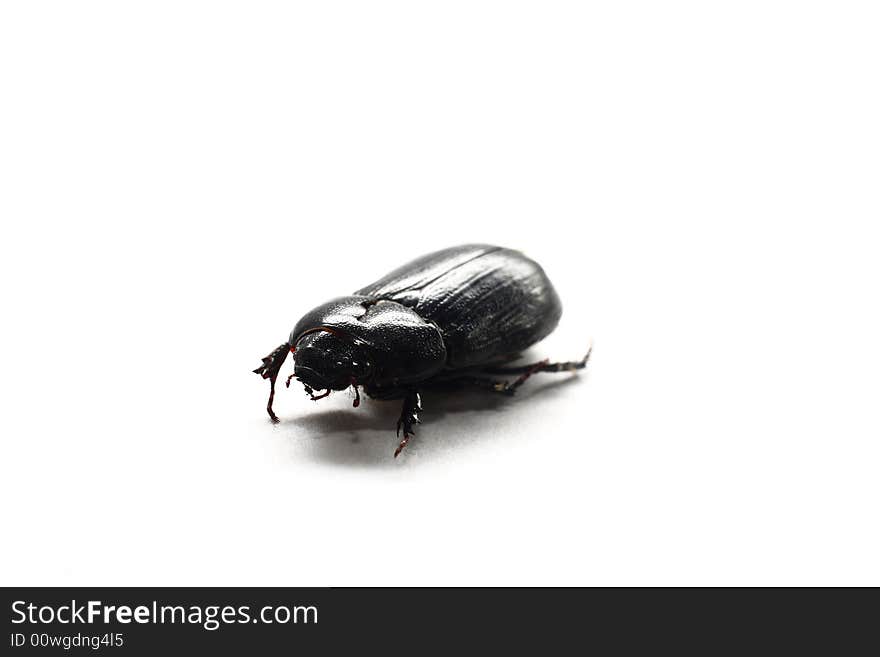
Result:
pixel 453 317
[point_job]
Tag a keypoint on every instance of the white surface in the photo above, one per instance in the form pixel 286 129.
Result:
pixel 181 181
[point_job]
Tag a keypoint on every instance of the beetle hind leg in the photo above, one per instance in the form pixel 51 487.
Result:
pixel 490 385
pixel 526 371
pixel 409 415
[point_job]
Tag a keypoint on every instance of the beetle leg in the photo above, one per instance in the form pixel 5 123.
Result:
pixel 492 385
pixel 313 396
pixel 269 370
pixel 525 371
pixel 510 388
pixel 542 366
pixel 409 415
pixel 269 410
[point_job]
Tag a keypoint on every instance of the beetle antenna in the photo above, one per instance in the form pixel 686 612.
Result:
pixel 269 370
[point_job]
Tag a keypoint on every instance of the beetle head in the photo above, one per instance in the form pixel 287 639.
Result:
pixel 326 360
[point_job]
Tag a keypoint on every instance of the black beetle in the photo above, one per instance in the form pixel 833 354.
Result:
pixel 451 317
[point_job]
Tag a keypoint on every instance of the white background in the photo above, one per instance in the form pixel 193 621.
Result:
pixel 182 180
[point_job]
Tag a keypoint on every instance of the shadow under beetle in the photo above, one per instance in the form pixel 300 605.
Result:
pixel 453 317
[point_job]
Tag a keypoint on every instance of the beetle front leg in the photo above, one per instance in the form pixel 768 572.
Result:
pixel 269 370
pixel 409 416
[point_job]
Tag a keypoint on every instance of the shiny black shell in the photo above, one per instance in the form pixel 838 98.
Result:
pixel 489 302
